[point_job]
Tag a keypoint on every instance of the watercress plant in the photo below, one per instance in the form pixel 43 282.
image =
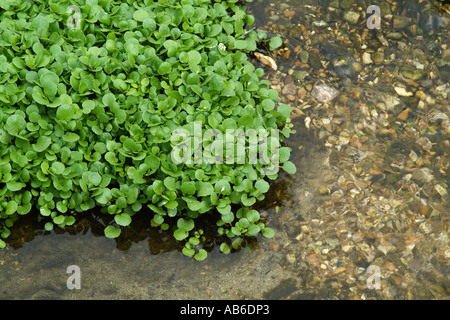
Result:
pixel 88 109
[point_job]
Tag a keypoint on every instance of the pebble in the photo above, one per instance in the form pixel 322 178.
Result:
pixel 290 88
pixel 324 93
pixel 394 35
pixel 440 189
pixel 290 257
pixel 366 59
pixel 401 22
pixel 378 57
pixel 338 270
pixel 404 114
pixel 351 17
pixel 423 175
pixel 320 23
pixel 403 92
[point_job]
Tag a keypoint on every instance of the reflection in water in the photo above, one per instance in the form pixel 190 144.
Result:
pixel 92 223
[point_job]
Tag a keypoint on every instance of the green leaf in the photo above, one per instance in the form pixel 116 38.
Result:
pixel 186 225
pixel 275 42
pixel 71 137
pixel 65 112
pixel 108 100
pixel 289 167
pixel 262 186
pixel 49 81
pixel 15 186
pixel 112 232
pixel 204 188
pixel 11 207
pixel 149 24
pixel 285 154
pixel 201 255
pixel 224 248
pixel 188 187
pixel 253 230
pixel 14 124
pixel 158 187
pixel 38 96
pixel 188 251
pixel 140 15
pixel 48 226
pixel 58 220
pixel 241 44
pixel 193 79
pixel 247 201
pixel 268 233
pixel 194 57
pixel 57 168
pixel 194 241
pixel 123 219
pixel 164 68
pixel 237 243
pixel 170 183
pixel 253 216
pixel 180 234
pixel 285 110
pixel 42 143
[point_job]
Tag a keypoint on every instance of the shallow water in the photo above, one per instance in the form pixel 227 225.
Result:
pixel 352 206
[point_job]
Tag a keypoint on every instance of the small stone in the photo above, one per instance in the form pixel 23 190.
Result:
pixel 414 74
pixel 320 23
pixel 338 270
pixel 421 95
pixel 403 115
pixel 290 97
pixel 351 17
pixel 402 92
pixel 426 83
pixel 366 59
pixel 324 190
pixel 440 189
pixel 266 60
pixel 378 57
pixel 413 156
pixel 290 89
pixel 274 247
pixel 423 175
pixel 394 35
pixel 324 93
pixel 300 75
pixel 304 56
pixel 347 248
pixel 357 236
pixel 401 22
pixel 290 257
pixel 312 260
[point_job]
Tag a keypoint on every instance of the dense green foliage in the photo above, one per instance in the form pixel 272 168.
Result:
pixel 87 113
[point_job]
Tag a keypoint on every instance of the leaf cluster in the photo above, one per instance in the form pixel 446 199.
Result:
pixel 87 114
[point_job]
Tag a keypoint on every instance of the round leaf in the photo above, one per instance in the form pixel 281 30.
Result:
pixel 112 232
